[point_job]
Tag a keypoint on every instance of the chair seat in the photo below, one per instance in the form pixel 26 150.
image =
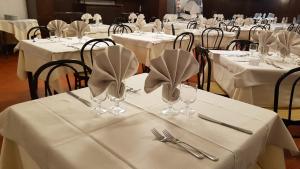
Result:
pixel 216 89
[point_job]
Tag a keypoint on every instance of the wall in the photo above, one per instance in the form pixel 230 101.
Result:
pixel 13 7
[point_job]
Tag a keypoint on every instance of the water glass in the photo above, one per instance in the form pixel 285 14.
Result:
pixel 116 109
pixel 188 95
pixel 253 48
pixel 52 35
pixel 98 100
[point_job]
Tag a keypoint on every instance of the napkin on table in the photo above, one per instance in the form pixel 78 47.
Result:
pixel 249 21
pixel 288 42
pixel 86 17
pixel 132 17
pixel 169 70
pixel 97 18
pixel 112 66
pixel 265 40
pixel 79 28
pixel 58 26
pixel 157 25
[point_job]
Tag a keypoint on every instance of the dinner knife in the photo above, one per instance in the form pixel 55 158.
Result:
pixel 224 124
pixel 87 103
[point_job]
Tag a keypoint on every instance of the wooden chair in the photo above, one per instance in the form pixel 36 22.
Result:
pixel 192 25
pixel 37 31
pixel 121 28
pixel 255 28
pixel 186 37
pixel 217 33
pixel 237 30
pixel 238 44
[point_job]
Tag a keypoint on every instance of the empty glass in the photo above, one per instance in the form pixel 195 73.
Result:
pixel 188 95
pixel 116 109
pixel 170 110
pixel 52 35
pixel 253 48
pixel 98 100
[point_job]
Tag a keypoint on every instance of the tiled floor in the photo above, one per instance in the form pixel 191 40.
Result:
pixel 13 91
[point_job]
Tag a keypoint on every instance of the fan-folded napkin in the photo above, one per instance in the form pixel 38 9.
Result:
pixel 112 66
pixel 249 21
pixel 157 25
pixel 86 17
pixel 169 70
pixel 288 42
pixel 58 26
pixel 265 40
pixel 132 17
pixel 79 28
pixel 97 18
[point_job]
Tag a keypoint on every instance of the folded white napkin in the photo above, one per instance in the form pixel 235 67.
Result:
pixel 239 21
pixel 265 40
pixel 97 18
pixel 112 66
pixel 141 16
pixel 140 23
pixel 58 26
pixel 212 22
pixel 249 21
pixel 132 17
pixel 169 70
pixel 157 25
pixel 86 17
pixel 79 28
pixel 288 42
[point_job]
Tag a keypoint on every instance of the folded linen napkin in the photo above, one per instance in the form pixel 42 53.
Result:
pixel 169 70
pixel 140 22
pixel 239 21
pixel 97 18
pixel 265 40
pixel 249 21
pixel 211 22
pixel 288 42
pixel 112 66
pixel 132 17
pixel 157 25
pixel 58 26
pixel 79 28
pixel 86 17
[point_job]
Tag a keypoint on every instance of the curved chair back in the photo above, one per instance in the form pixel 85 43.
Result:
pixel 119 20
pixel 184 39
pixel 111 28
pixel 212 37
pixel 255 28
pixel 298 29
pixel 51 67
pixel 152 19
pixel 121 28
pixel 291 27
pixel 238 44
pixel 237 30
pixel 204 63
pixel 223 26
pixel 296 78
pixel 173 29
pixel 36 31
pixel 192 25
pixel 267 26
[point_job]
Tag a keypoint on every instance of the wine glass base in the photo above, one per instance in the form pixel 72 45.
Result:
pixel 117 110
pixel 188 112
pixel 169 111
pixel 99 111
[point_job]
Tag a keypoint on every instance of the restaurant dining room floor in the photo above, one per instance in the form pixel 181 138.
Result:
pixel 13 91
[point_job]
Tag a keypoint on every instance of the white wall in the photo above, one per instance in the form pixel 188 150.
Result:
pixel 13 7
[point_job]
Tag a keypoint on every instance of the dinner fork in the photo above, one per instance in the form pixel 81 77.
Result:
pixel 164 139
pixel 169 136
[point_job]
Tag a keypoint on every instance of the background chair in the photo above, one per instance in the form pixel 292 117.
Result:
pixel 192 25
pixel 50 68
pixel 291 115
pixel 184 39
pixel 121 28
pixel 255 28
pixel 119 20
pixel 38 31
pixel 235 29
pixel 238 44
pixel 212 37
pixel 223 26
pixel 291 27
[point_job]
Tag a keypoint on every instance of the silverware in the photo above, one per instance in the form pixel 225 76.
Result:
pixel 224 124
pixel 171 137
pixel 87 103
pixel 269 62
pixel 164 139
pixel 132 90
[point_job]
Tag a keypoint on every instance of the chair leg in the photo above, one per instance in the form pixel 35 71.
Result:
pixel 68 81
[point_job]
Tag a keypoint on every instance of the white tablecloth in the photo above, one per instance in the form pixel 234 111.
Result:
pixel 146 46
pixel 60 132
pixel 248 83
pixel 18 28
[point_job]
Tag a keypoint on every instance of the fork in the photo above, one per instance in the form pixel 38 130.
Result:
pixel 164 139
pixel 171 137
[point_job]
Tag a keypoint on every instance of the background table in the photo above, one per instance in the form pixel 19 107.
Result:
pixel 247 83
pixel 60 132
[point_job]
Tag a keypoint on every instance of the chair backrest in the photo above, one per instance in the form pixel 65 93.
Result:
pixel 184 39
pixel 192 25
pixel 152 19
pixel 295 81
pixel 267 26
pixel 298 29
pixel 291 27
pixel 235 29
pixel 119 20
pixel 50 68
pixel 173 29
pixel 36 31
pixel 255 28
pixel 238 44
pixel 203 76
pixel 122 28
pixel 223 26
pixel 111 28
pixel 213 35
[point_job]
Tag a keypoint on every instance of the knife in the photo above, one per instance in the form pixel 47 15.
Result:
pixel 224 124
pixel 87 103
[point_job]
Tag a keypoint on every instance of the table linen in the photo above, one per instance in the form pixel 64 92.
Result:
pixel 85 141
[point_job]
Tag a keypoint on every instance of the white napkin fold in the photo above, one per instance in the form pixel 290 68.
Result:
pixel 288 42
pixel 86 17
pixel 97 18
pixel 265 39
pixel 249 21
pixel 169 70
pixel 211 22
pixel 140 23
pixel 239 21
pixel 79 28
pixel 157 25
pixel 132 17
pixel 58 26
pixel 112 66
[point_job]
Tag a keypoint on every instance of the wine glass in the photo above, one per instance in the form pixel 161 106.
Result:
pixel 52 35
pixel 116 109
pixel 98 100
pixel 253 48
pixel 170 110
pixel 188 95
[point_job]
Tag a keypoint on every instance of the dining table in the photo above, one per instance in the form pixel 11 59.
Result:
pixel 59 132
pixel 145 45
pixel 249 78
